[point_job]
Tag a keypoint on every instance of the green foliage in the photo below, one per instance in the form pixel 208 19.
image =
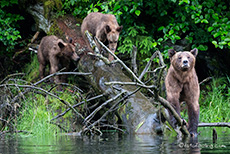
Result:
pixel 77 7
pixel 8 25
pixel 32 69
pixel 215 101
pixel 34 117
pixel 199 22
pixel 50 5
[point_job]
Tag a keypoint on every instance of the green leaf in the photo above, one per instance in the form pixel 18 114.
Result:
pixel 215 16
pixel 183 18
pixel 193 16
pixel 207 16
pixel 216 34
pixel 210 29
pixel 202 47
pixel 95 10
pixel 215 43
pixel 222 43
pixel 192 7
pixel 72 2
pixel 177 28
pixel 154 44
pixel 227 39
pixel 171 32
pixel 125 8
pixel 197 20
pixel 133 9
pixel 177 37
pixel 160 28
pixel 116 7
pixel 137 12
pixel 210 11
pixel 224 19
pixel 204 21
pixel 160 40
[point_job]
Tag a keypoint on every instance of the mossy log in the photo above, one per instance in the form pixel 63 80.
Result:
pixel 138 114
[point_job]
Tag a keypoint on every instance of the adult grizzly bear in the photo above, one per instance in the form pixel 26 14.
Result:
pixel 56 52
pixel 104 27
pixel 182 85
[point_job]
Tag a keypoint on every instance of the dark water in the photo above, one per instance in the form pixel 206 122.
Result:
pixel 111 143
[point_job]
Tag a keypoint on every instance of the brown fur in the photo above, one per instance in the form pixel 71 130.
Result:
pixel 104 27
pixel 56 52
pixel 182 85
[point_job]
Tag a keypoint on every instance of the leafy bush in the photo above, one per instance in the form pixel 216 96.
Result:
pixel 8 26
pixel 150 25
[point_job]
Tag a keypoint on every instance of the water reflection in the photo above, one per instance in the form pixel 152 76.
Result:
pixel 113 143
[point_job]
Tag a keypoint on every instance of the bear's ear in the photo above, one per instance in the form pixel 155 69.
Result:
pixel 171 53
pixel 194 51
pixel 107 29
pixel 119 29
pixel 61 44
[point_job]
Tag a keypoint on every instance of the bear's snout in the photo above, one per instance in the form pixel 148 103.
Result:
pixel 185 63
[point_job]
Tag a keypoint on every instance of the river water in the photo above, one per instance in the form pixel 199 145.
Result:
pixel 110 143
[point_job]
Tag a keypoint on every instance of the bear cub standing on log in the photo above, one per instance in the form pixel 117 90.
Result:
pixel 182 85
pixel 104 27
pixel 56 52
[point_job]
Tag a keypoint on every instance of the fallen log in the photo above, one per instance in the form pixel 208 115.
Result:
pixel 138 115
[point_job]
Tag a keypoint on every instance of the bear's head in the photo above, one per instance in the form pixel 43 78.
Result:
pixel 183 61
pixel 67 50
pixel 112 34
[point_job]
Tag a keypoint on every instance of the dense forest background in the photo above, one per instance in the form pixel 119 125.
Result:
pixel 149 25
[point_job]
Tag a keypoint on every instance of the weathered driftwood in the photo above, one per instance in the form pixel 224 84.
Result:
pixel 217 124
pixel 138 115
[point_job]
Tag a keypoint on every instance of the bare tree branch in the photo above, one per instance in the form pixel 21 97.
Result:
pixel 130 83
pixel 167 105
pixel 11 75
pixel 45 78
pixel 76 105
pixel 92 42
pixel 134 59
pixel 205 80
pixel 148 65
pixel 89 117
pixel 51 94
pixel 218 124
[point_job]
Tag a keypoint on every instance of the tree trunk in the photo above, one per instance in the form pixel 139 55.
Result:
pixel 138 114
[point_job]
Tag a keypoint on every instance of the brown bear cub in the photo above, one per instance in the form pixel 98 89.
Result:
pixel 104 27
pixel 56 52
pixel 182 85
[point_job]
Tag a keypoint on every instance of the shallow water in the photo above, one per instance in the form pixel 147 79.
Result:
pixel 115 143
